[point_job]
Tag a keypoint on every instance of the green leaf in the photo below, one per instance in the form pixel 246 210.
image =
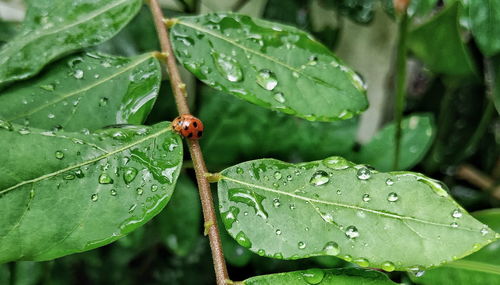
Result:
pixel 393 221
pixel 63 193
pixel 482 267
pixel 54 28
pixel 344 276
pixel 272 65
pixel 418 132
pixel 439 45
pixel 180 222
pixel 235 254
pixel 85 91
pixel 495 66
pixel 485 24
pixel 231 139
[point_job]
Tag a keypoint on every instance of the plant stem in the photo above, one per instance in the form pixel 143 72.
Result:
pixel 400 84
pixel 178 88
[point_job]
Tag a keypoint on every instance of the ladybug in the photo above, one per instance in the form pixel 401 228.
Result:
pixel 188 126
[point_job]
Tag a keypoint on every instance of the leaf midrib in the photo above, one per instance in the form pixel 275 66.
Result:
pixel 376 212
pixel 52 174
pixel 140 60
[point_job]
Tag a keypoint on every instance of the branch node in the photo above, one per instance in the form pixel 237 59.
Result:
pixel 213 177
pixel 170 22
pixel 162 56
pixel 207 226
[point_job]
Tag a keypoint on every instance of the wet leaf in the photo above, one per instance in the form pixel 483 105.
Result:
pixel 54 28
pixel 63 193
pixel 272 65
pixel 180 222
pixel 418 132
pixel 439 45
pixel 485 24
pixel 345 276
pixel 482 267
pixel 85 91
pixel 393 221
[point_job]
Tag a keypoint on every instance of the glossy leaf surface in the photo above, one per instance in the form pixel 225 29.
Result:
pixel 63 193
pixel 54 28
pixel 86 91
pixel 439 45
pixel 482 267
pixel 485 24
pixel 272 65
pixel 418 132
pixel 344 276
pixel 393 221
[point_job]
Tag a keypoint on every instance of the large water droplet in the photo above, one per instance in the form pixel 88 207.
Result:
pixel 94 197
pixel 337 163
pixel 457 214
pixel 250 198
pixel 363 262
pixel 319 178
pixel 104 178
pixel 363 173
pixel 243 240
pixel 59 154
pixel 279 97
pixel 331 248
pixel 313 275
pixel 301 245
pixel 78 74
pixel 392 197
pixel 277 175
pixel 129 175
pixel 228 67
pixel 154 188
pixel 266 79
pixel 351 232
pixel 388 266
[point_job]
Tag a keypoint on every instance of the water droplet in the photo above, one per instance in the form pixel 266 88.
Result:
pixel 331 248
pixel 59 154
pixel 392 197
pixel 113 192
pixel 139 191
pixel 278 232
pixel 366 198
pixel 337 163
pixel 250 198
pixel 104 178
pixel 69 176
pixel 364 173
pixel 313 275
pixel 418 271
pixel 103 102
pixel 48 87
pixel 239 170
pixel 228 67
pixel 132 208
pixel 6 125
pixel 457 214
pixel 94 197
pixel 154 188
pixel 348 258
pixel 277 175
pixel 79 173
pixel 78 74
pixel 24 131
pixel 389 182
pixel 339 192
pixel 484 231
pixel 243 240
pixel 279 97
pixel 363 262
pixel 289 177
pixel 266 79
pixel 292 206
pixel 301 245
pixel 388 266
pixel 319 178
pixel 129 175
pixel 351 232
pixel 454 225
pixel 276 202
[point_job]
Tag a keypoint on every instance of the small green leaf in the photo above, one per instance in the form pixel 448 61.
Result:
pixel 180 222
pixel 86 91
pixel 54 28
pixel 63 193
pixel 272 65
pixel 439 45
pixel 393 221
pixel 482 267
pixel 485 24
pixel 418 132
pixel 344 276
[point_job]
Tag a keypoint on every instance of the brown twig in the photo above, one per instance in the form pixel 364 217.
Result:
pixel 479 179
pixel 178 88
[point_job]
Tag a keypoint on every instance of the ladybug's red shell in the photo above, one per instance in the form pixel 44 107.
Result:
pixel 188 126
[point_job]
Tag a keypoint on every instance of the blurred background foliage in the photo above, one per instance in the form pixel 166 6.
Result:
pixel 450 83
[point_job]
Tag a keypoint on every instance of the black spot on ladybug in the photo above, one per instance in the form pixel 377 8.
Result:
pixel 186 128
pixel 190 135
pixel 195 124
pixel 200 133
